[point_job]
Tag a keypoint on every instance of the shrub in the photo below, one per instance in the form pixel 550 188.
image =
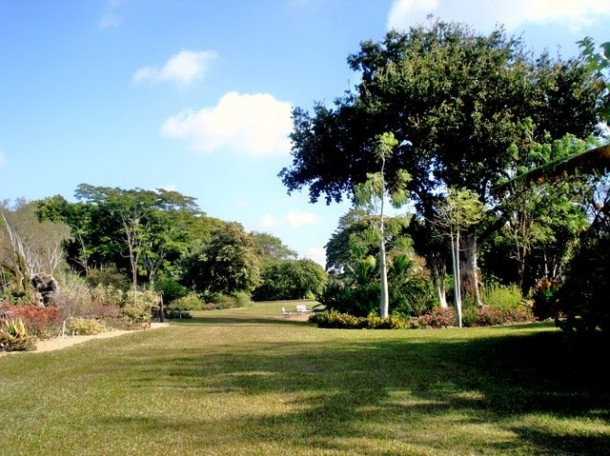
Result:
pixel 440 317
pixel 39 321
pixel 489 316
pixel 334 319
pixel 14 336
pixel 545 298
pixel 84 326
pixel 502 296
pixel 75 298
pixel 220 301
pixel 138 306
pixel 107 295
pixel 179 307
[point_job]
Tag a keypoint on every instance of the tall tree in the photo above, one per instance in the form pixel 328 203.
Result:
pixel 454 100
pixel 375 191
pixel 456 213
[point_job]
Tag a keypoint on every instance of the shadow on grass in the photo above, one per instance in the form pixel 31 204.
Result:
pixel 336 392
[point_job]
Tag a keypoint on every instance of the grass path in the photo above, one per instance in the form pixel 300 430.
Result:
pixel 247 382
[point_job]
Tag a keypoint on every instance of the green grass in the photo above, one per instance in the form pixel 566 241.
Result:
pixel 247 382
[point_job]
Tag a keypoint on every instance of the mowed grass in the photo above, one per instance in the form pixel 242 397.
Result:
pixel 247 382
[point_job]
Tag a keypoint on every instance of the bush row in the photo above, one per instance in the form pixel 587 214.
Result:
pixel 437 318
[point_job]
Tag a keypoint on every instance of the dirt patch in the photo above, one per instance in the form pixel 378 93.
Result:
pixel 57 343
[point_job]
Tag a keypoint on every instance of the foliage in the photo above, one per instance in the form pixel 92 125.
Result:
pixel 544 299
pixel 216 301
pixel 269 247
pixel 179 308
pixel 39 321
pixel 14 336
pixel 108 296
pixel 226 264
pixel 138 231
pixel 170 289
pixel 138 306
pixel 493 316
pixel 439 317
pixel 503 297
pixel 84 326
pixel 582 299
pixel 334 319
pixel 290 279
pixel 107 276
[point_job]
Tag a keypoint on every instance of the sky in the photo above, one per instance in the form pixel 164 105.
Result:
pixel 196 95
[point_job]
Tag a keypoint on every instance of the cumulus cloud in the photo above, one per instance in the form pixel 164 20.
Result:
pixel 255 125
pixel 485 14
pixel 183 68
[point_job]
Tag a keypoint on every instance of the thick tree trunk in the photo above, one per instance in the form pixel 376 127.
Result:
pixel 471 282
pixel 438 271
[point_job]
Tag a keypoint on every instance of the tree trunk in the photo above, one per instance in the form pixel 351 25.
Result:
pixel 470 272
pixel 455 257
pixel 437 269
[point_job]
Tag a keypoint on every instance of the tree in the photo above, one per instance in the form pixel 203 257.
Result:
pixel 226 264
pixel 454 101
pixel 460 210
pixel 270 247
pixel 132 229
pixel 290 279
pixel 374 191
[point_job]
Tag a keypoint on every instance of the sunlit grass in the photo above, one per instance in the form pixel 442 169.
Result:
pixel 246 381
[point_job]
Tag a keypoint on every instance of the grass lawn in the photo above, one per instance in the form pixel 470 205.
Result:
pixel 247 382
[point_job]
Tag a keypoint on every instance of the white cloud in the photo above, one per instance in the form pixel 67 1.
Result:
pixel 110 18
pixel 183 68
pixel 256 125
pixel 301 218
pixel 269 222
pixel 170 187
pixel 486 14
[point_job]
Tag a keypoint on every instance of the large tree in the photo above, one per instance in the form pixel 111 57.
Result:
pixel 136 230
pixel 454 100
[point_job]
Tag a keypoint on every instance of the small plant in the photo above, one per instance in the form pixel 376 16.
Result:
pixel 84 326
pixel 14 336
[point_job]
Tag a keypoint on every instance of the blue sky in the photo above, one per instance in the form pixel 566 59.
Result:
pixel 195 95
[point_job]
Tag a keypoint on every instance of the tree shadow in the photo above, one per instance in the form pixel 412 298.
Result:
pixel 337 390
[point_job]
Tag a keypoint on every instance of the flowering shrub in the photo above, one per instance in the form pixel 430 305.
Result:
pixel 440 317
pixel 490 316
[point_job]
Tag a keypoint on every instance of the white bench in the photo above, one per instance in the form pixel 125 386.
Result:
pixel 302 309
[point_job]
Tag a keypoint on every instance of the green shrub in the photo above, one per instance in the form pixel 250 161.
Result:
pixel 138 306
pixel 545 299
pixel 14 336
pixel 84 326
pixel 502 296
pixel 179 307
pixel 220 301
pixel 108 295
pixel 334 319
